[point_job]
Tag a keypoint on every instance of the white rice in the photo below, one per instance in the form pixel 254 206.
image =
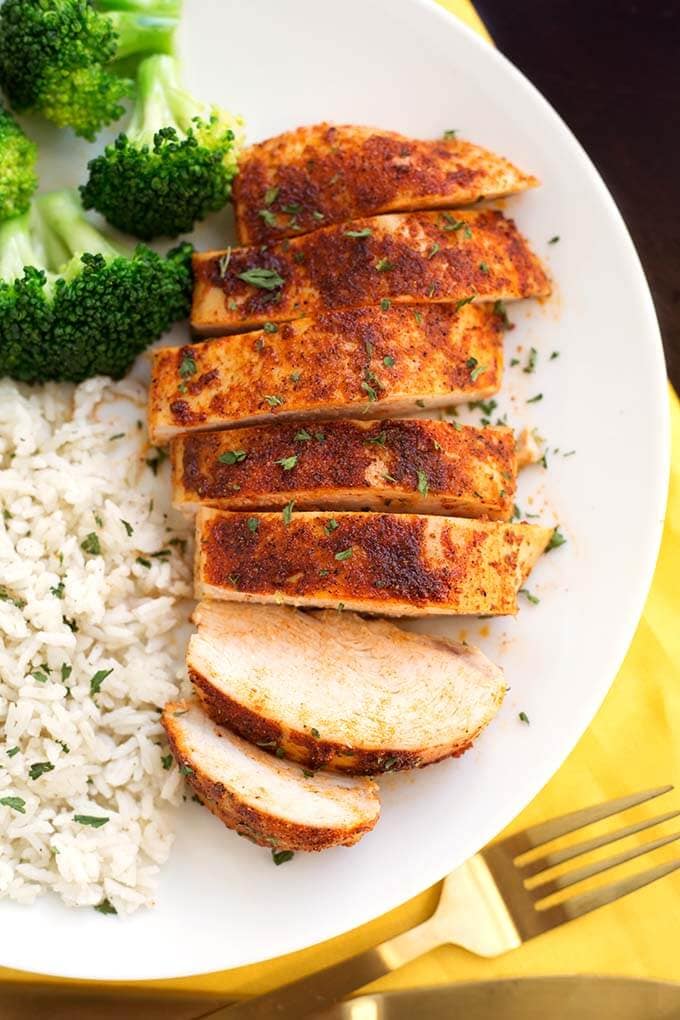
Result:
pixel 64 476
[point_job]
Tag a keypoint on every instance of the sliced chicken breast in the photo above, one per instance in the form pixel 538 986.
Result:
pixel 391 564
pixel 331 690
pixel 362 362
pixel 270 801
pixel 325 173
pixel 403 258
pixel 415 465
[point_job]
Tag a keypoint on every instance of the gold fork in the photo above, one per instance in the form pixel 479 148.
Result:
pixel 485 906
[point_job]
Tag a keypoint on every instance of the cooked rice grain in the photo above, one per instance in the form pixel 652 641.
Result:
pixel 91 644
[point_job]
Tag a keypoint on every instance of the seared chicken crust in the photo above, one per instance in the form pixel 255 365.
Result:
pixel 391 564
pixel 414 465
pixel 331 690
pixel 361 362
pixel 403 258
pixel 267 800
pixel 324 173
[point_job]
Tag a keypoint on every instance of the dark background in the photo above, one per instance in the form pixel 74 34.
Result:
pixel 611 68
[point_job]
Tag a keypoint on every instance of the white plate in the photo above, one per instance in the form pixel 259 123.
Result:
pixel 408 65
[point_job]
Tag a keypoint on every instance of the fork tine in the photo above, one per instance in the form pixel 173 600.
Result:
pixel 551 885
pixel 538 864
pixel 576 906
pixel 544 832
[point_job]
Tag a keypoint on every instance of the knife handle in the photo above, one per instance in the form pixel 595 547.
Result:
pixel 316 992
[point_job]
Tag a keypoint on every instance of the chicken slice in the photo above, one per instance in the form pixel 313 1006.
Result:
pixel 417 465
pixel 391 564
pixel 324 173
pixel 270 801
pixel 402 257
pixel 331 690
pixel 364 361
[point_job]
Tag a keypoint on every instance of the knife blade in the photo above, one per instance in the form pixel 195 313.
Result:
pixel 578 997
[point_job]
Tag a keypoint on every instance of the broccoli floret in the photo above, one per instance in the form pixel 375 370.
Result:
pixel 55 55
pixel 17 168
pixel 173 166
pixel 72 304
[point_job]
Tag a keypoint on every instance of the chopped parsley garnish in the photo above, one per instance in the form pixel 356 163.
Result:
pixel 523 717
pixel 223 262
pixel 303 436
pixel 450 222
pixel 463 301
pixel 295 376
pixel 556 540
pixel 475 369
pixel 513 362
pixel 265 279
pixel 308 774
pixel 118 435
pixel 187 366
pixel 98 679
pixel 106 907
pixel 364 232
pixel 91 544
pixel 128 527
pixel 320 437
pixel 483 268
pixel 270 195
pixel 555 354
pixel 282 856
pixel 385 304
pixel 292 208
pixel 531 362
pixel 379 440
pixel 420 403
pixel 487 407
pixel 39 768
pixel 273 400
pixel 500 311
pixel 288 463
pixel 232 457
pixel 389 763
pixel 143 562
pixel 330 525
pixel 39 676
pixel 384 265
pixel 268 216
pixel 418 316
pixel 423 483
pixel 367 388
pixel 155 462
pixel 185 770
pixel 287 512
pixel 253 524
pixel 390 478
pixel 233 580
pixel 529 597
pixel 554 240
pixel 433 250
pixel 15 803
pixel 270 327
pixel 318 215
pixel 12 751
pixel 450 134
pixel 166 761
pixel 315 733
pixel 344 554
pixel 58 590
pixel 535 400
pixel 65 748
pixel 388 361
pixel 94 821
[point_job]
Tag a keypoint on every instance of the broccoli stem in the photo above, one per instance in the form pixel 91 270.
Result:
pixel 161 102
pixel 142 33
pixel 17 249
pixel 164 8
pixel 62 213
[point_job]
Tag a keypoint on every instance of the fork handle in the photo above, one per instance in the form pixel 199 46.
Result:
pixel 316 992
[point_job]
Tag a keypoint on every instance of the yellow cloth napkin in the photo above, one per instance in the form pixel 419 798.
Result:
pixel 633 743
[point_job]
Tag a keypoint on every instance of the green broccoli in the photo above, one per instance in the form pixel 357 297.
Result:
pixel 17 167
pixel 174 165
pixel 55 55
pixel 73 305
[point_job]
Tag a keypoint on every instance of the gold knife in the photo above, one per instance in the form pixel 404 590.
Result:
pixel 579 997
